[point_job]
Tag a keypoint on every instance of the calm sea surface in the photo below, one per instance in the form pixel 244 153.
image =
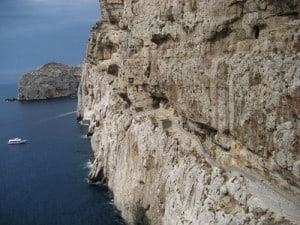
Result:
pixel 43 182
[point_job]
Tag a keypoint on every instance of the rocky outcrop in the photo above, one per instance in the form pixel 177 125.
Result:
pixel 52 80
pixel 194 109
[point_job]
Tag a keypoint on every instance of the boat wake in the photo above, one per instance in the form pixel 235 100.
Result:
pixel 64 114
pixel 59 116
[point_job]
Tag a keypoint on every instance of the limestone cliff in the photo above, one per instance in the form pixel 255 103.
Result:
pixel 52 80
pixel 194 108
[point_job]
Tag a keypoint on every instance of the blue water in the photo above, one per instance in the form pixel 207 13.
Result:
pixel 43 182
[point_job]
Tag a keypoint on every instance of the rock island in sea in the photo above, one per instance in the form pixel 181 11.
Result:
pixel 52 80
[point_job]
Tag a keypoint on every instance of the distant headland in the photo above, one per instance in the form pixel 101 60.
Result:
pixel 52 80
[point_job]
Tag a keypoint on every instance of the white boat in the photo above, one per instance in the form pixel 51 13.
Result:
pixel 16 141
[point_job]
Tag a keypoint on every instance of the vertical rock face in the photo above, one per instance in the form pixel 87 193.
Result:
pixel 194 108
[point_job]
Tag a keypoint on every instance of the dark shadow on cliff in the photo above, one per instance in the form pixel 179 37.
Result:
pixel 140 217
pixel 107 196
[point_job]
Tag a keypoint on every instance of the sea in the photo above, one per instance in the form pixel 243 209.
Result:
pixel 44 182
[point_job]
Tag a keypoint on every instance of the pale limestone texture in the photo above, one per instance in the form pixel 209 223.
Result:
pixel 194 108
pixel 52 80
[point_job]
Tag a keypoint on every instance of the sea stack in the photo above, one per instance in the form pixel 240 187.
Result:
pixel 52 80
pixel 194 108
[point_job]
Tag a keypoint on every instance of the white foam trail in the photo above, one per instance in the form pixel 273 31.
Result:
pixel 93 183
pixel 59 116
pixel 64 114
pixel 84 136
pixel 87 165
pixel 111 202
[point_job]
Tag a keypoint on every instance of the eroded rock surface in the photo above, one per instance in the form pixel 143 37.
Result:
pixel 52 80
pixel 194 108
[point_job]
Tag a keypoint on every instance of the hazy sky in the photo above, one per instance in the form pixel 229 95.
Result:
pixel 35 32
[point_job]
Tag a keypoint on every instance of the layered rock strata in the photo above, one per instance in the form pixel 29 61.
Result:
pixel 52 80
pixel 194 108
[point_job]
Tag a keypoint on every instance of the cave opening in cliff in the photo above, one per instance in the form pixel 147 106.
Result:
pixel 256 31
